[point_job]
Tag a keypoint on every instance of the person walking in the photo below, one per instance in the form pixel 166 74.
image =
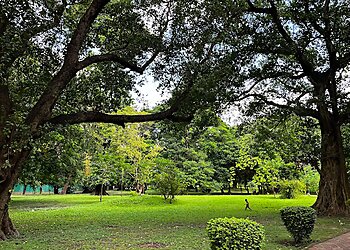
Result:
pixel 247 205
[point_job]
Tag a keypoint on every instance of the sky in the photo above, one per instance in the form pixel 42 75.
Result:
pixel 151 97
pixel 149 94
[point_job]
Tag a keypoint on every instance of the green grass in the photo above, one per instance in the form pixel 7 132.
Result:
pixel 134 222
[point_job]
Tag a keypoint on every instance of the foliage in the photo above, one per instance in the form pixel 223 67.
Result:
pixel 311 179
pixel 166 179
pixel 290 189
pixel 267 174
pixel 220 145
pixel 234 233
pixel 247 162
pixel 56 159
pixel 294 139
pixel 190 159
pixel 124 157
pixel 299 221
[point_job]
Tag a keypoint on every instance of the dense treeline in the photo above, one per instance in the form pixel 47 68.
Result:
pixel 206 155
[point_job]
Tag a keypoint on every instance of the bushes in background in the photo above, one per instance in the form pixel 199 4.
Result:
pixel 290 189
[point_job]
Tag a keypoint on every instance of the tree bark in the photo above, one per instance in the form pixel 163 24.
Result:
pixel 55 189
pixel 24 189
pixel 9 176
pixel 334 188
pixel 65 188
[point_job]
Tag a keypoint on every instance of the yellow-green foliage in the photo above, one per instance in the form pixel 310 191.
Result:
pixel 235 234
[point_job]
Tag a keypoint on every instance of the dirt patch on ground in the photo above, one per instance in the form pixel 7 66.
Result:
pixel 152 245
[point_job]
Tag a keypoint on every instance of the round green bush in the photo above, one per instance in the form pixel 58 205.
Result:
pixel 290 189
pixel 299 221
pixel 235 233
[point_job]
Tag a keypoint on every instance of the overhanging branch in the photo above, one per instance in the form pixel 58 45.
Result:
pixel 82 117
pixel 115 58
pixel 301 111
pixel 272 11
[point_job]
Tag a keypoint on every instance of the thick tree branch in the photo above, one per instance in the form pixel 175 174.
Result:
pixel 42 110
pixel 5 111
pixel 3 23
pixel 272 11
pixel 301 111
pixel 116 119
pixel 115 58
pixel 108 58
pixel 253 8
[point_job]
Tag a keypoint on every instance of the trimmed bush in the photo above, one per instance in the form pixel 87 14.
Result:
pixel 290 189
pixel 299 221
pixel 234 233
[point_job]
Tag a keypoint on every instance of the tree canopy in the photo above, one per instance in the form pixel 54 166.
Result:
pixel 68 62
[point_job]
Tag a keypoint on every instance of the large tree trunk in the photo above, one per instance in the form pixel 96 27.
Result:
pixel 65 188
pixel 10 165
pixel 55 189
pixel 334 189
pixel 8 177
pixel 7 227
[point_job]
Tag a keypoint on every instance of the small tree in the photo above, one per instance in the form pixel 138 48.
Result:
pixel 290 189
pixel 167 179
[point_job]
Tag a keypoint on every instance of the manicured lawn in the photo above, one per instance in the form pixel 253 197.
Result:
pixel 146 222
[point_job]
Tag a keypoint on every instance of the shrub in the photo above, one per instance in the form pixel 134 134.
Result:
pixel 290 189
pixel 234 233
pixel 299 221
pixel 166 179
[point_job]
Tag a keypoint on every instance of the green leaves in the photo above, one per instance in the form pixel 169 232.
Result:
pixel 234 233
pixel 299 221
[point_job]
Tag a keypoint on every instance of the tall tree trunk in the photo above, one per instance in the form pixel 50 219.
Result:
pixel 66 185
pixel 8 178
pixel 55 189
pixel 65 188
pixel 334 188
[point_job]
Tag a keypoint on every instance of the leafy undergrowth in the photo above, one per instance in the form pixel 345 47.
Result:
pixel 146 222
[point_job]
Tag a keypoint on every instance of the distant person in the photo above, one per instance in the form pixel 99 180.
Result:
pixel 247 205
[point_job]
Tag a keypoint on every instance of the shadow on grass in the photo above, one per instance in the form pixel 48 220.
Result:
pixel 290 243
pixel 23 203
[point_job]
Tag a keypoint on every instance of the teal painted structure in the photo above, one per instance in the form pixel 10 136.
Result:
pixel 19 189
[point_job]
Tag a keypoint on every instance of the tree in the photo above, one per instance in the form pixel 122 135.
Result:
pixel 291 57
pixel 220 144
pixel 294 139
pixel 56 159
pixel 69 62
pixel 166 179
pixel 127 153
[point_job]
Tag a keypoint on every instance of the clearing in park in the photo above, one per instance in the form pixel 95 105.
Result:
pixel 147 222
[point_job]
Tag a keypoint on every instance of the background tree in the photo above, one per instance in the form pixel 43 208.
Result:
pixel 167 179
pixel 291 56
pixel 56 159
pixel 220 144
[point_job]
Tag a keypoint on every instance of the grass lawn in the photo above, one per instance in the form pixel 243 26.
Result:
pixel 146 222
